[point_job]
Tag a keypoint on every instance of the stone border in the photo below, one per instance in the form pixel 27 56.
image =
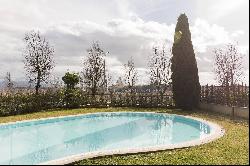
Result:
pixel 239 112
pixel 216 132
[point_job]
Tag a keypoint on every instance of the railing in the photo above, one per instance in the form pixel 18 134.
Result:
pixel 21 102
pixel 128 100
pixel 237 95
pixel 11 104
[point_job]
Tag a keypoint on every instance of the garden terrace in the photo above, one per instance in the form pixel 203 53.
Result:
pixel 232 148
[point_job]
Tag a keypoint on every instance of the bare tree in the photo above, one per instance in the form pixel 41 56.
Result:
pixel 8 81
pixel 38 56
pixel 107 78
pixel 228 65
pixel 131 74
pixel 160 68
pixel 94 70
pixel 228 68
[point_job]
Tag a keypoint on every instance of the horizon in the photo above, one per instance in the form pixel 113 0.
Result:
pixel 124 28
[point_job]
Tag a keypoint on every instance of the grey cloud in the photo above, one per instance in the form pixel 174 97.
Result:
pixel 73 47
pixel 122 37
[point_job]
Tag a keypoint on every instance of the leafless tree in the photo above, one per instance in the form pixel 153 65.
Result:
pixel 8 81
pixel 228 67
pixel 38 56
pixel 106 76
pixel 159 68
pixel 131 74
pixel 94 71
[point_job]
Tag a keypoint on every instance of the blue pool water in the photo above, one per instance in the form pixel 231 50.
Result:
pixel 39 141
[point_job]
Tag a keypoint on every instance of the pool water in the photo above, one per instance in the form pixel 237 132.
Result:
pixel 39 141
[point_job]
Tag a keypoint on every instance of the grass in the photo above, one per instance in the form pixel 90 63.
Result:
pixel 232 148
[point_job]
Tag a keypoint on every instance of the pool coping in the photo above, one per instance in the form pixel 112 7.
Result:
pixel 217 132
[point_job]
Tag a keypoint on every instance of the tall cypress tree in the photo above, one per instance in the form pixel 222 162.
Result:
pixel 185 79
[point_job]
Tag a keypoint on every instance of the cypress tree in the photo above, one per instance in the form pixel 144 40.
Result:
pixel 185 79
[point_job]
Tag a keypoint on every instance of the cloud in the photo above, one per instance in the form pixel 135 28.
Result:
pixel 205 35
pixel 217 9
pixel 207 78
pixel 121 38
pixel 135 37
pixel 117 26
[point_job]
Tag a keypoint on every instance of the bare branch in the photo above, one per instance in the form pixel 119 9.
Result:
pixel 95 75
pixel 131 74
pixel 38 56
pixel 159 65
pixel 228 65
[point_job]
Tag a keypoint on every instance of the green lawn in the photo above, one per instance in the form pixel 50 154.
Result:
pixel 232 148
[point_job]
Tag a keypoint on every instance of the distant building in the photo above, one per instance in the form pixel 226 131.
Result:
pixel 118 85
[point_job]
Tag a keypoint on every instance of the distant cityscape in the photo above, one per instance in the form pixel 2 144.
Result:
pixel 117 87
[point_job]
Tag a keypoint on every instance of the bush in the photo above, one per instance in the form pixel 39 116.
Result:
pixel 20 103
pixel 71 94
pixel 72 98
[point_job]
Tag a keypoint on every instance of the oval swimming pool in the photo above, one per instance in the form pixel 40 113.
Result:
pixel 66 139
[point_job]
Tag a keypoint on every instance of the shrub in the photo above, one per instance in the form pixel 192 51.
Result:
pixel 71 93
pixel 20 103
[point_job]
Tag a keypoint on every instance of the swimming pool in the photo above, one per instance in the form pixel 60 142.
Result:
pixel 66 139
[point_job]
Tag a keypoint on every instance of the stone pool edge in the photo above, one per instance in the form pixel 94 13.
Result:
pixel 218 132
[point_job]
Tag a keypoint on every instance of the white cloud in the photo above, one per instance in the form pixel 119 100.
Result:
pixel 237 33
pixel 207 78
pixel 207 60
pixel 205 34
pixel 244 49
pixel 217 9
pixel 224 7
pixel 72 26
pixel 123 38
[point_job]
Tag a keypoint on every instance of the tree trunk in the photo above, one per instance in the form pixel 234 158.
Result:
pixel 38 83
pixel 131 96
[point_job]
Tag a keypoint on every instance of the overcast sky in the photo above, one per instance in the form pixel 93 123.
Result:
pixel 124 28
